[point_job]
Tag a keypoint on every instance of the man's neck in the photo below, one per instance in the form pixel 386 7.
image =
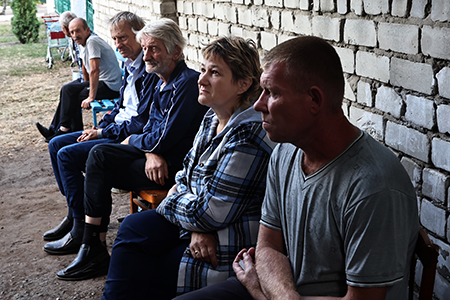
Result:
pixel 327 144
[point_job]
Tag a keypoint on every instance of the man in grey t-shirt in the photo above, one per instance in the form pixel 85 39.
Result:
pixel 102 80
pixel 339 219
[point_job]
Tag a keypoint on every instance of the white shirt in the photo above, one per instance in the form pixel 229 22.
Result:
pixel 130 97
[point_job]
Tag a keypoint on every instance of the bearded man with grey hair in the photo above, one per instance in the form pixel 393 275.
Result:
pixel 142 161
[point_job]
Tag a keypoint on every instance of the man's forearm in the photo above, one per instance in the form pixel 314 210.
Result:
pixel 93 84
pixel 275 274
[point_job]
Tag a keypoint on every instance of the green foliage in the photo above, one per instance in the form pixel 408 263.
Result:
pixel 27 59
pixel 24 23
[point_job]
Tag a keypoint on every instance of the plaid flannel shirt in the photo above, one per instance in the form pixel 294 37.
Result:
pixel 220 191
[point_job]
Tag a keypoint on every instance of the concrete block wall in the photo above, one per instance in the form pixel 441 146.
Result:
pixel 396 59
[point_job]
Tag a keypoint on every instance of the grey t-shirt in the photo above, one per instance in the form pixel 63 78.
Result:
pixel 110 72
pixel 352 222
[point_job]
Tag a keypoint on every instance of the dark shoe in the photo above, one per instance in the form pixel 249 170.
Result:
pixel 66 245
pixel 44 130
pixel 90 262
pixel 59 231
pixel 58 132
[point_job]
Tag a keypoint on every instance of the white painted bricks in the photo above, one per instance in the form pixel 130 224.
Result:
pixel 326 27
pixel 387 100
pixel 372 66
pixel 443 78
pixel 347 57
pixel 399 37
pixel 411 75
pixel 376 7
pixel 435 42
pixel 443 118
pixel 435 184
pixel 440 153
pixel 420 111
pixel 367 121
pixel 360 32
pixel 268 40
pixel 364 94
pixel 433 218
pixel 407 140
pixel 412 169
pixel 440 10
pixel 399 8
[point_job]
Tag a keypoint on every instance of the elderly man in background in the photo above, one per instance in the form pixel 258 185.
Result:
pixel 102 79
pixel 142 161
pixel 69 152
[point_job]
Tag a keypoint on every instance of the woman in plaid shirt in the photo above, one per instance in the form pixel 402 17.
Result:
pixel 213 211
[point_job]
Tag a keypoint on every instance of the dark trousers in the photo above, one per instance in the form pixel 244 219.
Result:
pixel 115 165
pixel 68 159
pixel 68 112
pixel 230 289
pixel 145 258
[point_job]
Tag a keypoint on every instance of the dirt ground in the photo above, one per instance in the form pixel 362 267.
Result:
pixel 30 202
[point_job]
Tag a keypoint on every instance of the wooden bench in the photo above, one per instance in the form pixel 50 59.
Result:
pixel 427 253
pixel 146 199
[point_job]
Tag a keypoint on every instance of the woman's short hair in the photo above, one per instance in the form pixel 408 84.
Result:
pixel 135 22
pixel 168 32
pixel 242 58
pixel 310 61
pixel 65 18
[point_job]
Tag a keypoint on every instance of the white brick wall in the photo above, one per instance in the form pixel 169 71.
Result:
pixel 435 42
pixel 407 140
pixel 387 100
pixel 435 185
pixel 413 170
pixel 399 37
pixel 420 111
pixel 367 121
pixel 326 28
pixel 360 32
pixel 443 78
pixel 443 119
pixel 364 94
pixel 440 10
pixel 302 24
pixel 396 59
pixel 347 57
pixel 440 154
pixel 372 66
pixel 433 218
pixel 376 7
pixel 412 75
pixel 418 8
pixel 399 8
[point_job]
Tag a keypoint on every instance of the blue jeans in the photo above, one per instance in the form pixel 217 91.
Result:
pixel 68 159
pixel 145 258
pixel 230 289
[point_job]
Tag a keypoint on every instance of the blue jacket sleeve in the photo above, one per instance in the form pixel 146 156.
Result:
pixel 169 125
pixel 119 132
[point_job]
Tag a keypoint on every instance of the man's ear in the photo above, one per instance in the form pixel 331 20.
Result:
pixel 317 99
pixel 177 53
pixel 244 85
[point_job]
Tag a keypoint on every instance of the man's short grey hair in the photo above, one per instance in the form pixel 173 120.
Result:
pixel 65 18
pixel 135 22
pixel 168 32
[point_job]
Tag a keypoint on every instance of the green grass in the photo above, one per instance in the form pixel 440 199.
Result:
pixel 25 59
pixel 6 35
